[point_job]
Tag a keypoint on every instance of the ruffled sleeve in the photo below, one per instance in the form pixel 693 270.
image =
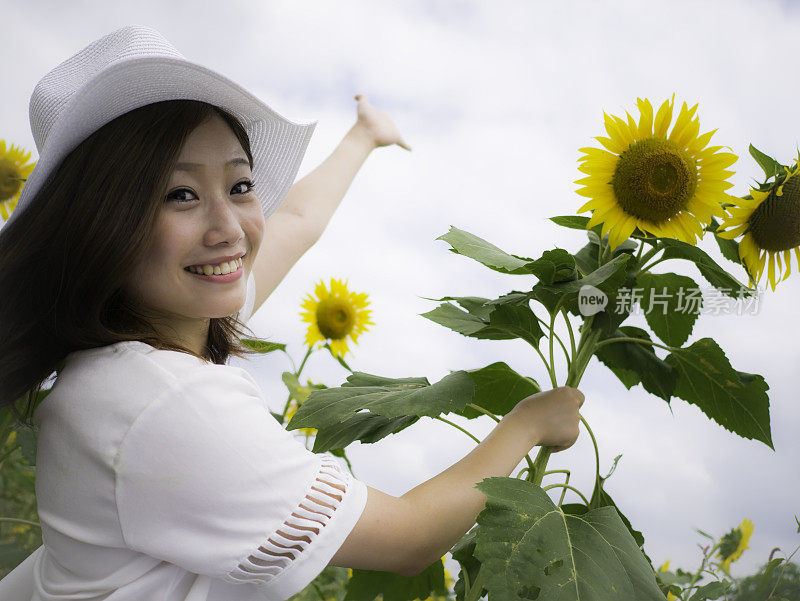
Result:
pixel 208 480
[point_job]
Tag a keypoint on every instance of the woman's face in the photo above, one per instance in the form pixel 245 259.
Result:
pixel 209 215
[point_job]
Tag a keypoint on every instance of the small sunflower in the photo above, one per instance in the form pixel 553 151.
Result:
pixel 334 315
pixel 770 222
pixel 734 543
pixel 668 186
pixel 14 170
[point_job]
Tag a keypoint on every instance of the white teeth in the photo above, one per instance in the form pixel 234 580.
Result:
pixel 222 268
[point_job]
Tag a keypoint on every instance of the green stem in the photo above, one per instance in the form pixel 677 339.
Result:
pixel 569 328
pixel 547 366
pixel 580 361
pixel 484 411
pixel 447 421
pixel 566 481
pixel 338 358
pixel 639 254
pixel 640 340
pixel 552 336
pixel 303 363
pixel 18 521
pixel 596 452
pixel 475 590
pixel 650 253
pixel 297 375
pixel 656 262
pixel 565 486
pixel 286 408
pixel 564 348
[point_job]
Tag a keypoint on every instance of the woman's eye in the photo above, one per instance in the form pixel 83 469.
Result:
pixel 171 196
pixel 250 186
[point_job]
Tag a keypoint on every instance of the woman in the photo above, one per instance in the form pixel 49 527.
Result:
pixel 159 217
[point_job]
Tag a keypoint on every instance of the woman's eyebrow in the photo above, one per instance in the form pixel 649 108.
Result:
pixel 195 166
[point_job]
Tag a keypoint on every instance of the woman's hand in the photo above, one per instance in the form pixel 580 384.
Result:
pixel 552 416
pixel 377 125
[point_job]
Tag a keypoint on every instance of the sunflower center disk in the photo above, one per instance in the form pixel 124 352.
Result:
pixel 775 223
pixel 654 179
pixel 335 318
pixel 9 185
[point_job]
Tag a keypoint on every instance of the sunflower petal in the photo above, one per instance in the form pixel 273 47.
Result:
pixel 663 118
pixel 645 118
pixel 610 144
pixel 697 145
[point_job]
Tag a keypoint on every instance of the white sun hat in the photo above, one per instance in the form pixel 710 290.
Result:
pixel 135 66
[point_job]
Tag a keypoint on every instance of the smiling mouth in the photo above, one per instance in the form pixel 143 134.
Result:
pixel 218 269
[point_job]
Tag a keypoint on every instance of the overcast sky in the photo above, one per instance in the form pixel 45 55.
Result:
pixel 495 99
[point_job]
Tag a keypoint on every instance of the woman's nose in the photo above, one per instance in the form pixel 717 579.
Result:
pixel 223 222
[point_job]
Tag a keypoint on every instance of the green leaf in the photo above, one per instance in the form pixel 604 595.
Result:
pixel 368 407
pixel 474 305
pixel 555 265
pixel 488 321
pixel 600 498
pixel 638 361
pixel 366 585
pixel 666 305
pixel 575 222
pixel 764 580
pixel 770 166
pixel 465 323
pixel 484 252
pixel 262 346
pixel 607 278
pixel 518 321
pixel 498 389
pixel 587 258
pixel 365 427
pixel 712 590
pixel 708 268
pixel 463 552
pixel 707 380
pixel 728 248
pixel 531 549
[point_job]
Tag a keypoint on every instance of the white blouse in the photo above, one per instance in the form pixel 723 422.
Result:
pixel 163 477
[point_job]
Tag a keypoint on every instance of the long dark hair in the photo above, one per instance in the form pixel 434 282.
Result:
pixel 63 260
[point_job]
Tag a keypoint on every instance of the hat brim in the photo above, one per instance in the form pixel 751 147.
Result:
pixel 277 143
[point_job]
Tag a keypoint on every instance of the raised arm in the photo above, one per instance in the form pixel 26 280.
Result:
pixel 407 534
pixel 304 214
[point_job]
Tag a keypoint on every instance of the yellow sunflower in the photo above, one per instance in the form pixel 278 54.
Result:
pixel 665 185
pixel 770 222
pixel 734 543
pixel 14 170
pixel 334 315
